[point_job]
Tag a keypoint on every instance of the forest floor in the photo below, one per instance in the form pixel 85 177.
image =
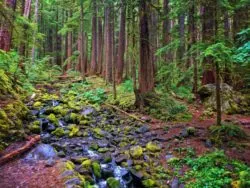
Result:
pixel 21 173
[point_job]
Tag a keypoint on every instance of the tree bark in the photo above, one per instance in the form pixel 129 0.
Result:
pixel 99 46
pixel 146 70
pixel 122 42
pixel 6 28
pixel 69 47
pixel 166 29
pixel 208 29
pixel 181 48
pixel 93 65
pixel 33 51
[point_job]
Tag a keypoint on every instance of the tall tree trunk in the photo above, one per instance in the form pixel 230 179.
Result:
pixel 33 51
pixel 192 41
pixel 109 54
pixel 146 72
pixel 99 46
pixel 69 47
pixel 121 48
pixel 6 28
pixel 208 29
pixel 27 8
pixel 81 43
pixel 166 28
pixel 93 65
pixel 181 48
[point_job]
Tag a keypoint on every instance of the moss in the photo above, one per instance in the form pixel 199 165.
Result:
pixel 153 147
pixel 60 110
pixel 35 127
pixel 86 163
pixel 136 151
pixel 6 85
pixel 69 165
pixel 37 104
pixel 52 118
pixel 98 132
pixel 113 183
pixel 59 132
pixel 96 169
pixel 149 183
pixel 73 130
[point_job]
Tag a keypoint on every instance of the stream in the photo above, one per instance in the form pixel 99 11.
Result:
pixel 122 148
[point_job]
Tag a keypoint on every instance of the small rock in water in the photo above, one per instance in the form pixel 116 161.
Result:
pixel 87 111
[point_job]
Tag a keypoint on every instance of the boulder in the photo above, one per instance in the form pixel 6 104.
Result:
pixel 232 102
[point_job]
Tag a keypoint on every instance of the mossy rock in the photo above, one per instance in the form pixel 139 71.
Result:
pixel 74 130
pixel 113 183
pixel 153 147
pixel 37 105
pixel 149 183
pixel 35 127
pixel 136 152
pixel 59 132
pixel 52 118
pixel 86 163
pixel 96 169
pixel 69 165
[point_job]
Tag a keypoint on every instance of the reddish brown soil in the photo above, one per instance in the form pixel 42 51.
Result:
pixel 23 174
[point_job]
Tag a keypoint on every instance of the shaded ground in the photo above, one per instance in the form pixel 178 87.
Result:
pixel 23 174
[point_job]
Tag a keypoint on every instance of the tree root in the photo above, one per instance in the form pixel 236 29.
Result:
pixel 8 157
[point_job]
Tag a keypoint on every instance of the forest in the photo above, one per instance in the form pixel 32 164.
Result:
pixel 124 93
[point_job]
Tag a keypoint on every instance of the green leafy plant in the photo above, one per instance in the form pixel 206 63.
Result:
pixel 215 170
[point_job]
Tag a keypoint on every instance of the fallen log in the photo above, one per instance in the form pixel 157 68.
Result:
pixel 30 143
pixel 126 113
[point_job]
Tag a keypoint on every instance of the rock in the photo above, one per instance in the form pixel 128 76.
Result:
pixel 37 105
pixel 59 132
pixel 96 169
pixel 136 152
pixel 208 143
pixel 120 159
pixel 61 154
pixel 143 129
pixel 153 147
pixel 52 118
pixel 72 182
pixel 87 163
pixel 232 102
pixel 78 159
pixel 94 146
pixel 175 183
pixel 51 127
pixel 107 171
pixel 42 152
pixel 88 110
pixel 49 163
pixel 184 133
pixel 113 183
pixel 191 131
pixel 73 130
pixel 67 173
pixel 137 177
pixel 103 143
pixel 149 183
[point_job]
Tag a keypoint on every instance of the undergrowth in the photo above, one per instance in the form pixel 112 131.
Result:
pixel 226 133
pixel 214 170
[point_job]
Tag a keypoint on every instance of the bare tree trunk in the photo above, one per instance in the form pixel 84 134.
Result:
pixel 81 43
pixel 166 29
pixel 109 46
pixel 208 28
pixel 93 65
pixel 69 47
pixel 146 70
pixel 6 28
pixel 181 48
pixel 100 46
pixel 33 51
pixel 121 49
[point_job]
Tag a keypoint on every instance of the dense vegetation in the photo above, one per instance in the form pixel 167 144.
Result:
pixel 157 61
